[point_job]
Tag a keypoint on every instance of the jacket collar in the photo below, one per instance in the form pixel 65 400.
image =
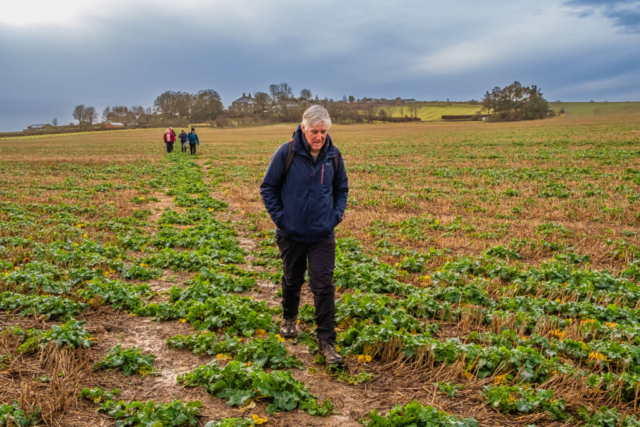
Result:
pixel 301 146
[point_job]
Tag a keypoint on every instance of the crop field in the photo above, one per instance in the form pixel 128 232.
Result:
pixel 487 274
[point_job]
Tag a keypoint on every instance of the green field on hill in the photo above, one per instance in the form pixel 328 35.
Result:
pixel 433 111
pixel 585 109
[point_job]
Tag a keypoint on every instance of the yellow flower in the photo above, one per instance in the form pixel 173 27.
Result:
pixel 594 355
pixel 279 338
pixel 557 300
pixel 511 398
pixel 364 358
pixel 500 379
pixel 249 363
pixel 260 333
pixel 183 320
pixel 467 375
pixel 558 333
pixel 611 324
pixel 145 371
pixel 142 198
pixel 257 420
pixel 85 235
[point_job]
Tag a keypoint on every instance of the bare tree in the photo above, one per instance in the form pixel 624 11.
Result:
pixel 90 115
pixel 286 91
pixel 274 91
pixel 184 103
pixel 105 113
pixel 137 109
pixel 78 113
pixel 207 105
pixel 391 110
pixel 262 99
pixel 305 94
pixel 119 109
pixel 54 122
pixel 166 103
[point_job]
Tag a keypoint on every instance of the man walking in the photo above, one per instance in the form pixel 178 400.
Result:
pixel 305 191
pixel 183 141
pixel 193 140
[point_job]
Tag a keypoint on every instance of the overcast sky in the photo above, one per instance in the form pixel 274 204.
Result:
pixel 57 54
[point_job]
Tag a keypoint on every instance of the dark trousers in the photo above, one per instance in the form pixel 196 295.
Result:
pixel 322 258
pixel 192 147
pixel 184 147
pixel 169 147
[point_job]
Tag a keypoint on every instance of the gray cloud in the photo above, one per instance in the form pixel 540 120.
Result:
pixel 362 48
pixel 624 14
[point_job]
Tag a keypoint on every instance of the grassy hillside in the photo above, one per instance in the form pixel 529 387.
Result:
pixel 585 109
pixel 433 111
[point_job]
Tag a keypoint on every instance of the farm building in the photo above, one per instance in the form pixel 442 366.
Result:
pixel 114 125
pixel 243 105
pixel 405 101
pixel 38 128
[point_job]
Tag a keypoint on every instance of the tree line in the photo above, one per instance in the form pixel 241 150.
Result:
pixel 276 104
pixel 279 104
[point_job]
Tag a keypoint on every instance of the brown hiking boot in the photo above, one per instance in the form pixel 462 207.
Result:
pixel 331 356
pixel 288 328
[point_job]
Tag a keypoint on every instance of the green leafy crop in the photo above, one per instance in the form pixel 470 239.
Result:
pixel 238 383
pixel 11 415
pixel 415 414
pixel 270 352
pixel 130 360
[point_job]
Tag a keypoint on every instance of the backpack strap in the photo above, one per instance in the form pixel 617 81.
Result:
pixel 336 165
pixel 290 155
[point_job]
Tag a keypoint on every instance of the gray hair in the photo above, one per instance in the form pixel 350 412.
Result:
pixel 314 116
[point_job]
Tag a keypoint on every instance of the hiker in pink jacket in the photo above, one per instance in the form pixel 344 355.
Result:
pixel 169 139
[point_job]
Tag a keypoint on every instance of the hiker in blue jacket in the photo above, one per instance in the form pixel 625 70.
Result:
pixel 183 141
pixel 193 140
pixel 305 191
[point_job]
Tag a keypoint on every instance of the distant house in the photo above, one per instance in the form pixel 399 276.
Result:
pixel 244 105
pixel 288 105
pixel 114 125
pixel 39 128
pixel 405 101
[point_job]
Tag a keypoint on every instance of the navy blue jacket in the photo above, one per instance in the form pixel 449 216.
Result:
pixel 307 203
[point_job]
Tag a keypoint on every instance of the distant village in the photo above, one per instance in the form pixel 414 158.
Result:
pixel 279 105
pixel 206 109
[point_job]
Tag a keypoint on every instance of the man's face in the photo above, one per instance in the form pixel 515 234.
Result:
pixel 316 136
